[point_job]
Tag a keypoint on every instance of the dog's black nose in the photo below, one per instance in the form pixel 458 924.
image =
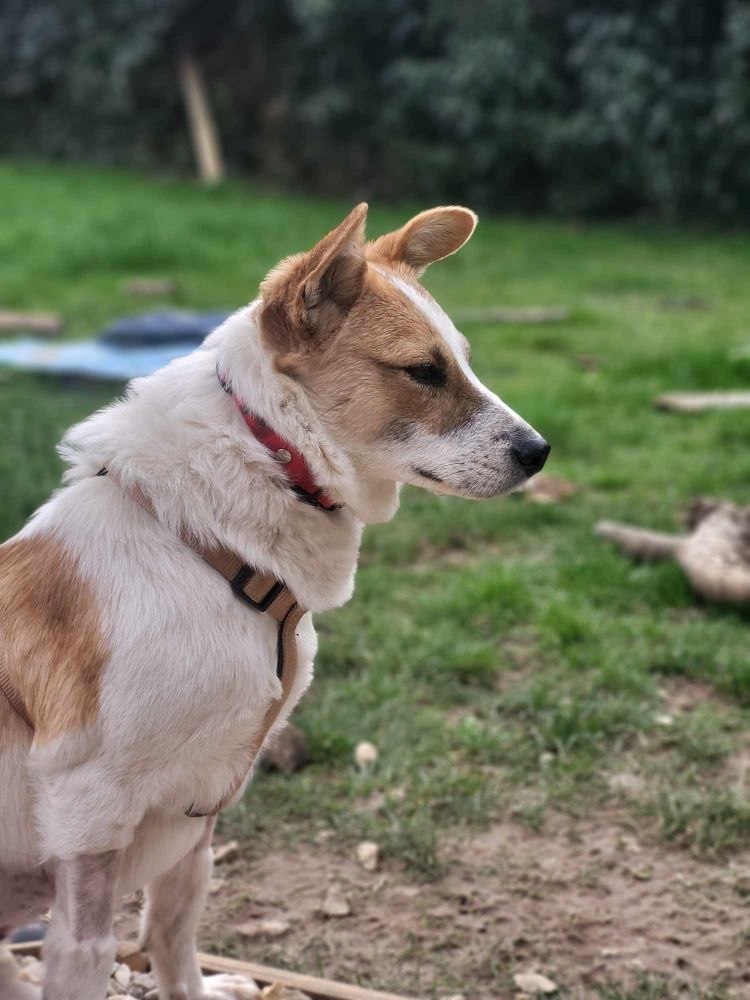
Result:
pixel 532 454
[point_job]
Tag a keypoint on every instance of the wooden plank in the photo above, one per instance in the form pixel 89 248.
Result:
pixel 264 975
pixel 699 402
pixel 26 948
pixel 150 287
pixel 525 315
pixel 322 989
pixel 43 323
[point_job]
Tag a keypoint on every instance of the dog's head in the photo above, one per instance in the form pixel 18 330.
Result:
pixel 385 368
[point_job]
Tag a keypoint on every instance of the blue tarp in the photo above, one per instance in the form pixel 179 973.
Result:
pixel 128 348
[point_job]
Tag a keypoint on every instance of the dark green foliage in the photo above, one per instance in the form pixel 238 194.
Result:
pixel 576 106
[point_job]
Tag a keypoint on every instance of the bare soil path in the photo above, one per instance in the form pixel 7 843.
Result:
pixel 585 903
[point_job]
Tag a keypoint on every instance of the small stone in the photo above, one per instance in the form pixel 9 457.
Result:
pixel 365 755
pixel 625 782
pixel 664 720
pixel 121 976
pixel 368 854
pixel 264 928
pixel 32 972
pixel 277 991
pixel 250 929
pixel 289 752
pixel 141 984
pixel 129 953
pixel 335 905
pixel 226 852
pixel 215 885
pixel 533 982
pixel 274 928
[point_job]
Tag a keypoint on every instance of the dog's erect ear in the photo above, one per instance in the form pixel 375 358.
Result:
pixel 306 296
pixel 427 237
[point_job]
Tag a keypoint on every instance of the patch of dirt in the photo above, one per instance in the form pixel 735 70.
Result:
pixel 545 488
pixel 583 903
pixel 682 694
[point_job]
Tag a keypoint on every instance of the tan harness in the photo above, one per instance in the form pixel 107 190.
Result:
pixel 263 592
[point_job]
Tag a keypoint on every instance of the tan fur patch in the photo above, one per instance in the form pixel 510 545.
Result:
pixel 358 373
pixel 50 635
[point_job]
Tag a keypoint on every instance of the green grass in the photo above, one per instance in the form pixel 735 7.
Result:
pixel 489 647
pixel 655 988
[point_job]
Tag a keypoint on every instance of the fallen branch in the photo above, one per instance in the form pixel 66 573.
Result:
pixel 640 543
pixel 45 324
pixel 525 315
pixel 699 402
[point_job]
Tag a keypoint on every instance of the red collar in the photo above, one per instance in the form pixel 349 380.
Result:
pixel 291 460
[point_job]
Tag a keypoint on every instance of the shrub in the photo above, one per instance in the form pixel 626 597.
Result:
pixel 576 106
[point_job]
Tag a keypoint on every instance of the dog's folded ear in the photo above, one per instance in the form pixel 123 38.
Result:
pixel 428 237
pixel 306 296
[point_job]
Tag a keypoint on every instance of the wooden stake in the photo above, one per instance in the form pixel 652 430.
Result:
pixel 524 315
pixel 698 402
pixel 203 132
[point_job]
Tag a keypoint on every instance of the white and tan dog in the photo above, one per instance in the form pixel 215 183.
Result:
pixel 143 676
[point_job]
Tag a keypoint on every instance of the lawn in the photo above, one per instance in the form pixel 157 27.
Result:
pixel 509 666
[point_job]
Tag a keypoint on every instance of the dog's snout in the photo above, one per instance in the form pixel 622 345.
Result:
pixel 531 453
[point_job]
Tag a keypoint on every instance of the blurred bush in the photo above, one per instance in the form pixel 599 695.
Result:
pixel 582 107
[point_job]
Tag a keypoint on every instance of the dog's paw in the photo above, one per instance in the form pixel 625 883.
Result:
pixel 229 987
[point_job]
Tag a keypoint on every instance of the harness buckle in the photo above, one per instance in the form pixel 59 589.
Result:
pixel 244 575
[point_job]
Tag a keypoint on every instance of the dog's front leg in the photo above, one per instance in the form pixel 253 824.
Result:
pixel 79 947
pixel 174 903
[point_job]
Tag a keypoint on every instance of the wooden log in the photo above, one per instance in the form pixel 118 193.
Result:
pixel 700 402
pixel 203 131
pixel 44 323
pixel 148 287
pixel 524 315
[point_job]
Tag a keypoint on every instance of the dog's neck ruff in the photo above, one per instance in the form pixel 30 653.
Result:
pixel 293 461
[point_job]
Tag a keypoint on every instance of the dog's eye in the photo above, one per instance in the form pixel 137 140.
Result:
pixel 427 374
